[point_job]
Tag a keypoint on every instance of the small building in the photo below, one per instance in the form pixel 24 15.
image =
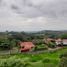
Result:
pixel 65 42
pixel 26 46
pixel 62 42
pixel 58 41
pixel 47 40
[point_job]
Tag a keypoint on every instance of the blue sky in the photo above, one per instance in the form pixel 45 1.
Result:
pixel 33 15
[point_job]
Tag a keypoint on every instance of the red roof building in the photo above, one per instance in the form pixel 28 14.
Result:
pixel 26 46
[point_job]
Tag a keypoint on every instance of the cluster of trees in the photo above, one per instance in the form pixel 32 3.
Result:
pixel 63 36
pixel 6 44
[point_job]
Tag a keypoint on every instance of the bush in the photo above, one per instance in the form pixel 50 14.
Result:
pixel 27 64
pixel 5 44
pixel 63 55
pixel 35 58
pixel 11 63
pixel 52 45
pixel 41 47
pixel 46 60
pixel 63 62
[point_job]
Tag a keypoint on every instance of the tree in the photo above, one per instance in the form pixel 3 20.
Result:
pixel 52 44
pixel 5 44
pixel 63 36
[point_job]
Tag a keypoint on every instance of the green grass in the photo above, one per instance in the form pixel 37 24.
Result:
pixel 46 59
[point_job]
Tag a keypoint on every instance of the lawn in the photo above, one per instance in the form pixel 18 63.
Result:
pixel 46 59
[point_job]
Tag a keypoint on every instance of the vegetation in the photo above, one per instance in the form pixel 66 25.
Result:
pixel 45 59
pixel 41 47
pixel 9 43
pixel 63 36
pixel 63 62
pixel 52 44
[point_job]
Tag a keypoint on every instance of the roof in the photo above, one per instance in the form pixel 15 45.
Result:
pixel 27 45
pixel 61 40
pixel 58 40
pixel 64 40
pixel 50 39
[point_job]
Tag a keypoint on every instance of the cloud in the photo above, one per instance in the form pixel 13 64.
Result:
pixel 23 24
pixel 31 15
pixel 34 8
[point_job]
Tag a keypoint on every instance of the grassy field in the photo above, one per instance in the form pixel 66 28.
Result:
pixel 46 59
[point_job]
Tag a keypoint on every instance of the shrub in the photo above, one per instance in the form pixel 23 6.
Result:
pixel 27 64
pixel 63 55
pixel 46 60
pixel 63 62
pixel 52 45
pixel 41 47
pixel 3 63
pixel 35 58
pixel 11 63
pixel 5 44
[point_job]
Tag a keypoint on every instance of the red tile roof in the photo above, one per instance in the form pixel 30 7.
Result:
pixel 26 45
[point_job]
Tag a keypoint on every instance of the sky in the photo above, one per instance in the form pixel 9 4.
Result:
pixel 33 15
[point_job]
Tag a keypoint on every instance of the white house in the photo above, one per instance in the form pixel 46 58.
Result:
pixel 58 41
pixel 61 42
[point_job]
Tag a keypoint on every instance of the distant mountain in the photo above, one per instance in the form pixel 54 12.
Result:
pixel 52 31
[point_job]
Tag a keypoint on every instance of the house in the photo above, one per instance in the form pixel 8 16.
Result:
pixel 65 42
pixel 47 40
pixel 59 41
pixel 26 46
pixel 62 42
